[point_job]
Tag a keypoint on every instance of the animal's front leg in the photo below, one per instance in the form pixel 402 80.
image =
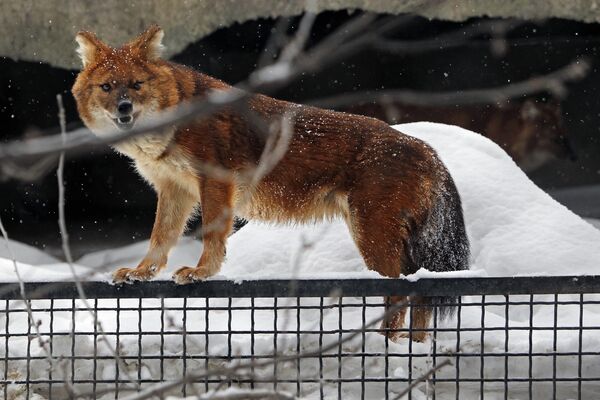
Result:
pixel 217 219
pixel 175 205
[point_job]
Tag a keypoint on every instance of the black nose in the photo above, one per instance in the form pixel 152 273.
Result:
pixel 125 107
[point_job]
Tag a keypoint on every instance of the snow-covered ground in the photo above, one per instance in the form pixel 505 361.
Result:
pixel 514 229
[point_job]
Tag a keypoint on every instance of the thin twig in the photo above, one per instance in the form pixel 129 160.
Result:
pixel 455 38
pixel 296 45
pixel 61 193
pixel 276 41
pixel 553 82
pixel 62 224
pixel 28 173
pixel 32 323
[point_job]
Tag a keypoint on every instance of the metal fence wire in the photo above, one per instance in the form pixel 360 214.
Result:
pixel 524 337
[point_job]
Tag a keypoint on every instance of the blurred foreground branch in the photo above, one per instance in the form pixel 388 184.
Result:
pixel 266 80
pixel 31 159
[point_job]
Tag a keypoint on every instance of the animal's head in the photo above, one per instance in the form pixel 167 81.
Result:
pixel 543 133
pixel 118 87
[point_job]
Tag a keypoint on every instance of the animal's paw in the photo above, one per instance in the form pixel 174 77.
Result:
pixel 185 275
pixel 129 275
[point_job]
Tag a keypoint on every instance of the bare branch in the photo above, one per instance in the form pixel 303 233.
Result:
pixel 81 140
pixel 31 172
pixel 31 320
pixel 276 41
pixel 340 43
pixel 348 39
pixel 275 148
pixel 61 191
pixel 553 82
pixel 296 45
pixel 65 237
pixel 456 38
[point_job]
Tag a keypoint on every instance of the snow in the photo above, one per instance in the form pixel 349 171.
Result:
pixel 514 229
pixel 24 253
pixel 33 264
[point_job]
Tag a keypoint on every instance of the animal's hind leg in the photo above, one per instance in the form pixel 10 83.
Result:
pixel 380 235
pixel 395 309
pixel 420 314
pixel 420 318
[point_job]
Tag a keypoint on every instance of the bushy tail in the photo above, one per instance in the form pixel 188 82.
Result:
pixel 441 243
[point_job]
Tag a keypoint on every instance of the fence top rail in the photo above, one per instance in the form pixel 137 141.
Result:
pixel 311 288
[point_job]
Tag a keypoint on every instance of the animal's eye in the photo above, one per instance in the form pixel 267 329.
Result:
pixel 137 85
pixel 105 87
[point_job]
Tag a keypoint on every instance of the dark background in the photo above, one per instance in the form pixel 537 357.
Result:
pixel 108 204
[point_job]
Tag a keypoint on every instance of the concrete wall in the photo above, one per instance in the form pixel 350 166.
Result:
pixel 43 30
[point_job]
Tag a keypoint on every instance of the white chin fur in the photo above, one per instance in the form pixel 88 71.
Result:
pixel 103 123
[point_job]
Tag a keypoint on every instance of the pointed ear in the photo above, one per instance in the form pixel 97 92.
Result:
pixel 90 47
pixel 149 44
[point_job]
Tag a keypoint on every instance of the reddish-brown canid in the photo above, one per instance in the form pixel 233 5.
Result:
pixel 397 197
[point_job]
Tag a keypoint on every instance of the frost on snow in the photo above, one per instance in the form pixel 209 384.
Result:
pixel 514 228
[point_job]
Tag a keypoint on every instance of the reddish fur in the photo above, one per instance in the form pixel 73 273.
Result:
pixel 522 130
pixel 382 182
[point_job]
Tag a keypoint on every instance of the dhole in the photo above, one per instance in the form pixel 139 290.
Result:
pixel 397 197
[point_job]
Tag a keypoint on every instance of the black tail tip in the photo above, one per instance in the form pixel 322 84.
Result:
pixel 444 307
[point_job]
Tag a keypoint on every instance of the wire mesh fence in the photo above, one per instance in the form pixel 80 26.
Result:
pixel 529 337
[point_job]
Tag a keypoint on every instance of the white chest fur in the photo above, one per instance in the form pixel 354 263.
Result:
pixel 159 160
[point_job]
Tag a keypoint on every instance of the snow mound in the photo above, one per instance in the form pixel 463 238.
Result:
pixel 33 264
pixel 514 227
pixel 24 253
